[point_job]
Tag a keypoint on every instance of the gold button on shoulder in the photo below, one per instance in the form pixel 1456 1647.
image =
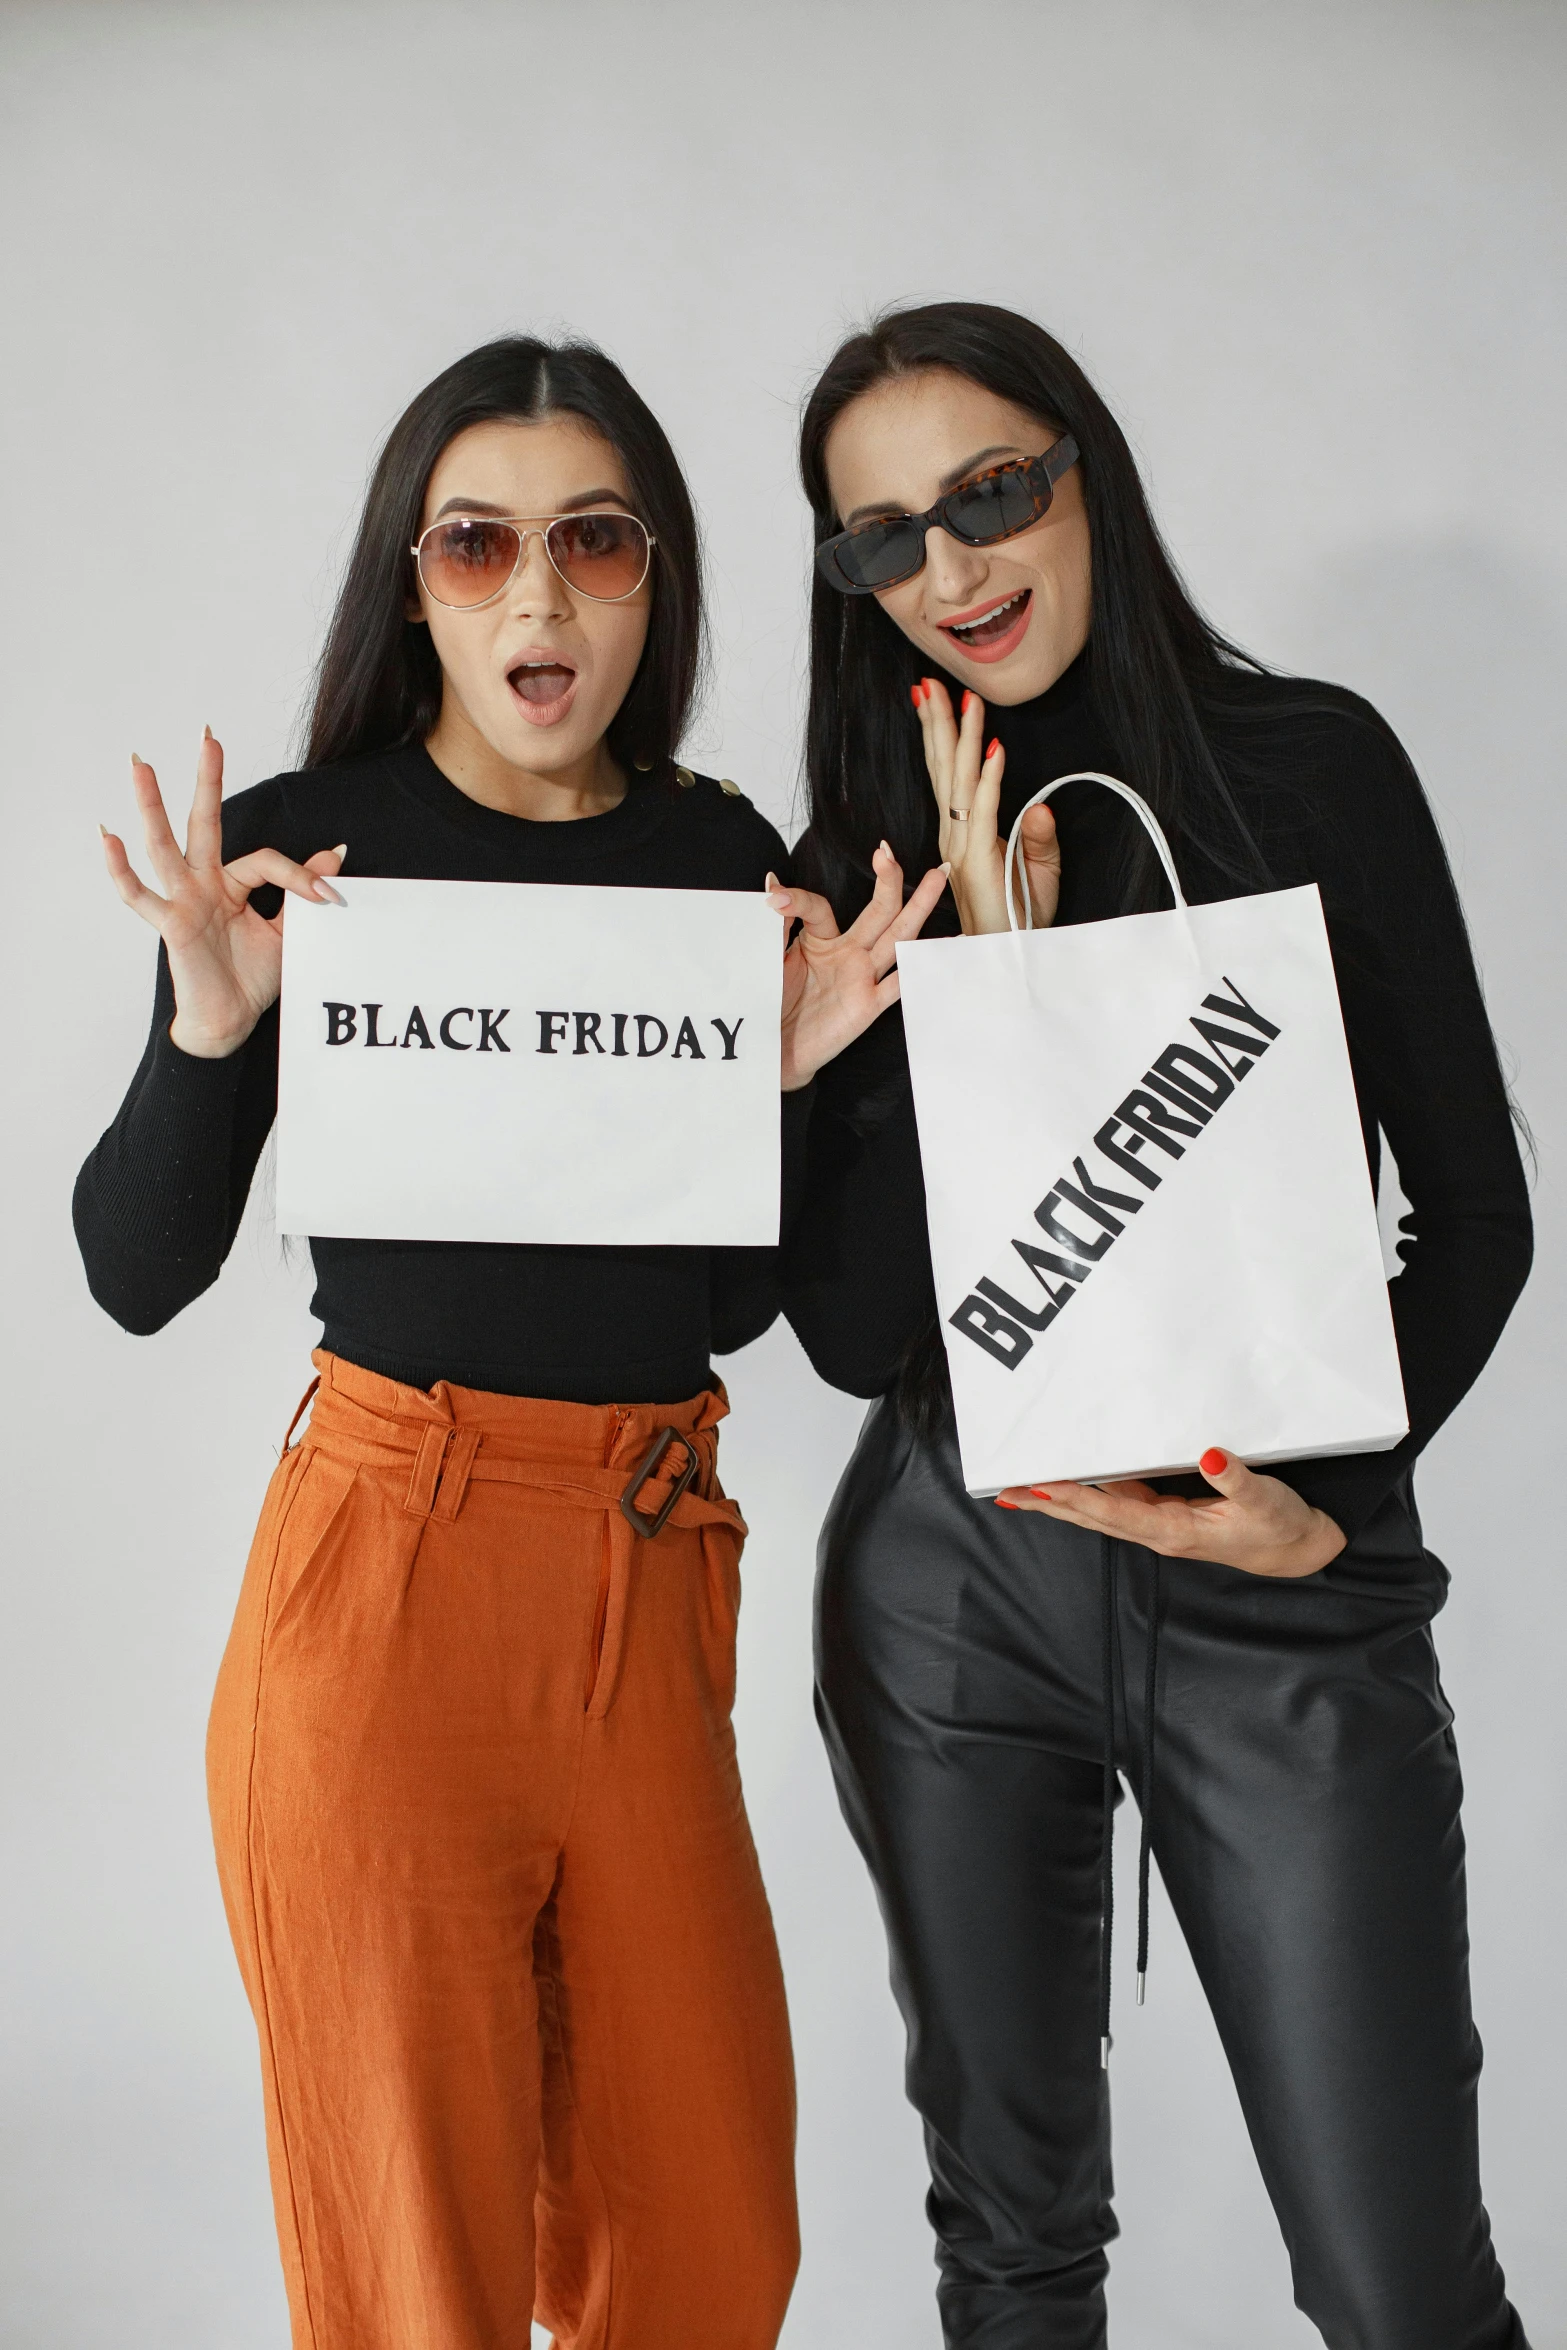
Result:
pixel 732 789
pixel 684 777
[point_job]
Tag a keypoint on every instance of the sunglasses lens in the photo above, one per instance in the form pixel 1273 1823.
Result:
pixel 467 561
pixel 995 508
pixel 879 554
pixel 601 555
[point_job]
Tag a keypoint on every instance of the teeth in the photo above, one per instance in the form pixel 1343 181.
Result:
pixel 995 610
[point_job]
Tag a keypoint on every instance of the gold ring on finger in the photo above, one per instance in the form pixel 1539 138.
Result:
pixel 958 815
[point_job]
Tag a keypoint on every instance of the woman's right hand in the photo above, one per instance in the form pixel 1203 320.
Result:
pixel 968 796
pixel 226 962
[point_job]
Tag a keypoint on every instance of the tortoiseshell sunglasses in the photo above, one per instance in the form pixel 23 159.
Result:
pixel 993 506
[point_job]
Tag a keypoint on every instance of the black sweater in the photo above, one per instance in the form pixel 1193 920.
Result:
pixel 160 1199
pixel 1330 799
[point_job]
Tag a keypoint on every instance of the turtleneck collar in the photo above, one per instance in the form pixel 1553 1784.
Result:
pixel 1058 731
pixel 1064 732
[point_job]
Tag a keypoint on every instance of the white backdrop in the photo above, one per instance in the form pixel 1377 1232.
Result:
pixel 1313 255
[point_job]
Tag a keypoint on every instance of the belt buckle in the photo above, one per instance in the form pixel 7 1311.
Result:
pixel 640 1523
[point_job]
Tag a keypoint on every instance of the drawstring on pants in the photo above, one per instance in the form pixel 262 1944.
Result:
pixel 1107 1843
pixel 1150 1699
pixel 1106 1859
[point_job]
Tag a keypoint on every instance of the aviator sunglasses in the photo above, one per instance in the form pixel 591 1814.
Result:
pixel 470 559
pixel 981 512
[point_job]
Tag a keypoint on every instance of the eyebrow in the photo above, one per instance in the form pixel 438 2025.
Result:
pixel 949 481
pixel 573 505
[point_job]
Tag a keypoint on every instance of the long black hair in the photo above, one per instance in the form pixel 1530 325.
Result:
pixel 378 683
pixel 1171 688
pixel 1161 674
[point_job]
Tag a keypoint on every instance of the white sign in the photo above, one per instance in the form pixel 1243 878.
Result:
pixel 1151 1217
pixel 496 1061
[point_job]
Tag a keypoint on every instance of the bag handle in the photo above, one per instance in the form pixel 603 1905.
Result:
pixel 1149 821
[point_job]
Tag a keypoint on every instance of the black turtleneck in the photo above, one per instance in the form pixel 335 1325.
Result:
pixel 160 1199
pixel 1328 797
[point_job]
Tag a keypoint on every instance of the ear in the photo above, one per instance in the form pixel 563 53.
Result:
pixel 414 610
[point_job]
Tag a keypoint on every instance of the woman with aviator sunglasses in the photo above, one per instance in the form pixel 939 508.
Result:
pixel 472 1774
pixel 1252 1651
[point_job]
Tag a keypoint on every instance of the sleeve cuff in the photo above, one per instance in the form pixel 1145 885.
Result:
pixel 160 1173
pixel 1349 1487
pixel 177 1076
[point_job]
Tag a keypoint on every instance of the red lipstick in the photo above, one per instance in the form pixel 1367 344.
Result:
pixel 1001 626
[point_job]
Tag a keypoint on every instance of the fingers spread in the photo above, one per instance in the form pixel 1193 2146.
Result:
pixel 131 890
pixel 813 913
pixel 910 919
pixel 885 902
pixel 204 830
pixel 922 901
pixel 168 859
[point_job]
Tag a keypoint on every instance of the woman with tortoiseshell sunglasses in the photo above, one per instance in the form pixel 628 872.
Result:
pixel 1253 1651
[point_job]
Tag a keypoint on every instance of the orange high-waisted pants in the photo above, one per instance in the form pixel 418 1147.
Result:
pixel 488 1873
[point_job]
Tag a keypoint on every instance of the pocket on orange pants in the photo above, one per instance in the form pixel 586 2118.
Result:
pixel 310 1539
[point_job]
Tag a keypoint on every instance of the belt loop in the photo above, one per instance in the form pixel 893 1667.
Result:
pixel 303 1406
pixel 426 1471
pixel 455 1473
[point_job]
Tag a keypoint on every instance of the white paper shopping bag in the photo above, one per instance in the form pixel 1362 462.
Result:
pixel 1151 1217
pixel 468 1060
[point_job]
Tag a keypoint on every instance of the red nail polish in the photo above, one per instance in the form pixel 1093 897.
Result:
pixel 967 698
pixel 1002 1502
pixel 1213 1462
pixel 1043 1492
pixel 993 746
pixel 914 695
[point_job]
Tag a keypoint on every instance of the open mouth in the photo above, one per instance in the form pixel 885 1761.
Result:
pixel 991 634
pixel 543 689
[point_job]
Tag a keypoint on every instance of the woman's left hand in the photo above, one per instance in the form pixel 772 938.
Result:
pixel 837 982
pixel 967 786
pixel 1258 1524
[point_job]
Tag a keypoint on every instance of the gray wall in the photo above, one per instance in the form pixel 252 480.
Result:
pixel 1314 256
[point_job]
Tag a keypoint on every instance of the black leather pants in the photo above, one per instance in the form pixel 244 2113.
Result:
pixel 1306 1827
